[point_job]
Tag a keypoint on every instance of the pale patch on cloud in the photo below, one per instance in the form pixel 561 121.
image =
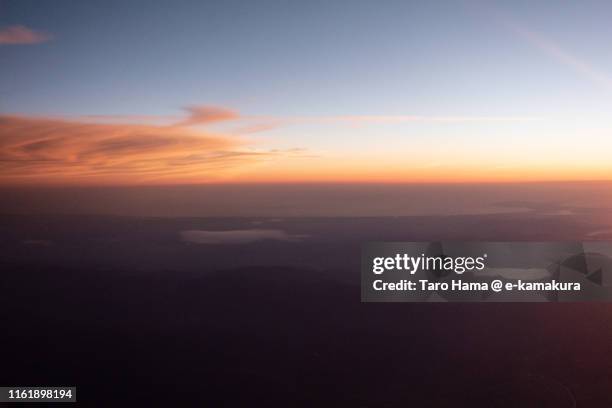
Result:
pixel 238 236
pixel 296 152
pixel 561 212
pixel 604 233
pixel 20 35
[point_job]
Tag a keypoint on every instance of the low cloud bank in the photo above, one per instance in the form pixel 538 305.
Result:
pixel 237 236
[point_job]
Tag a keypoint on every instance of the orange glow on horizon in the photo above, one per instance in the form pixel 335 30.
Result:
pixel 42 151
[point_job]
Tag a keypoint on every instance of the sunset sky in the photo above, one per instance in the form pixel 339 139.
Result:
pixel 237 91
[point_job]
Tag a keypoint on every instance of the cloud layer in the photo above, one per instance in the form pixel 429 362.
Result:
pixel 17 34
pixel 39 150
pixel 109 150
pixel 199 115
pixel 237 236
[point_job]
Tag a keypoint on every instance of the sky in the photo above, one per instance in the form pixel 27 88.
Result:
pixel 162 92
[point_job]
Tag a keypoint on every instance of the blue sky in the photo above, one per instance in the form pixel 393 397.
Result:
pixel 548 63
pixel 302 58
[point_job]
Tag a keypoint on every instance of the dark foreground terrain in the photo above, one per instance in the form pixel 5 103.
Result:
pixel 134 315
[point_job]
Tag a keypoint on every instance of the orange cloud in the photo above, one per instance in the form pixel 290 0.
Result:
pixel 199 115
pixel 17 34
pixel 44 150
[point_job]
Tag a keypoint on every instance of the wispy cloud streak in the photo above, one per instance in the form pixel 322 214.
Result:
pixel 199 115
pixel 564 57
pixel 382 119
pixel 21 35
pixel 207 115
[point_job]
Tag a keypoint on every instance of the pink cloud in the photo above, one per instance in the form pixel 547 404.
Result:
pixel 208 114
pixel 17 34
pixel 55 150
